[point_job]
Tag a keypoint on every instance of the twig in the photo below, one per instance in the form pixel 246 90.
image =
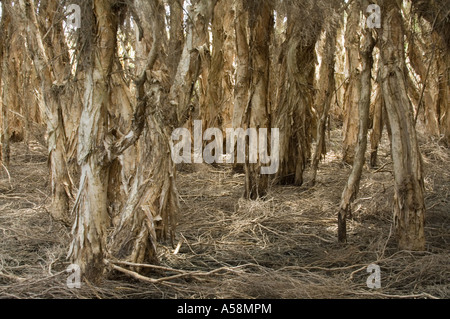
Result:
pixel 92 289
pixel 9 176
pixel 126 263
pixel 383 166
pixel 180 275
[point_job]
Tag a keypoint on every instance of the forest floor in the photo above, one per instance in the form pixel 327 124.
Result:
pixel 282 247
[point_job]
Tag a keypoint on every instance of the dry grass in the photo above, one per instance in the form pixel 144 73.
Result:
pixel 283 247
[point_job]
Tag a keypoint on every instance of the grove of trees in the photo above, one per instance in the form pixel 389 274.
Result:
pixel 105 96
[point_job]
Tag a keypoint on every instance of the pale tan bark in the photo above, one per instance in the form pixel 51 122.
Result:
pixel 409 207
pixel 293 114
pixel 444 75
pixel 5 141
pixel 326 88
pixel 378 120
pixel 242 61
pixel 425 65
pixel 352 187
pixel 336 110
pixel 6 79
pixel 152 205
pixel 176 42
pixel 257 113
pixel 190 65
pixel 352 87
pixel 88 248
pixel 219 95
pixel 135 236
pixel 50 65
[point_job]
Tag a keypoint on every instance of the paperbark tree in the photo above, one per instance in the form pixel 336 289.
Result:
pixel 5 43
pixel 219 93
pixel 326 87
pixel 257 114
pixel 242 61
pixel 352 86
pixel 422 55
pixel 50 62
pixel 88 248
pixel 152 205
pixel 293 115
pixel 409 206
pixel 352 187
pixel 444 84
pixel 143 215
pixel 436 13
pixel 176 39
pixel 377 122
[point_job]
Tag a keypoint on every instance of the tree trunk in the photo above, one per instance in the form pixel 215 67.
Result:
pixel 444 70
pixel 378 120
pixel 425 65
pixel 176 43
pixel 49 65
pixel 88 248
pixel 242 62
pixel 352 187
pixel 293 113
pixel 219 92
pixel 190 65
pixel 257 114
pixel 326 87
pixel 409 206
pixel 5 77
pixel 152 205
pixel 5 118
pixel 352 88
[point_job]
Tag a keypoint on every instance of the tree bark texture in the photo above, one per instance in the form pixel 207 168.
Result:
pixel 409 206
pixel 352 187
pixel 257 113
pixel 352 88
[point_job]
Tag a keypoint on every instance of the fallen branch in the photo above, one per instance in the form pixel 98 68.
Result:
pixel 181 273
pixel 381 168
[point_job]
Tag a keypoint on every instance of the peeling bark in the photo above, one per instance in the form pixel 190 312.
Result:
pixel 152 205
pixel 293 114
pixel 378 120
pixel 352 187
pixel 5 77
pixel 88 247
pixel 242 62
pixel 49 63
pixel 409 206
pixel 219 94
pixel 326 87
pixel 257 113
pixel 176 43
pixel 352 87
pixel 426 68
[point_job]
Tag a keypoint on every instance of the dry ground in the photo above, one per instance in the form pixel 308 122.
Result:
pixel 283 247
